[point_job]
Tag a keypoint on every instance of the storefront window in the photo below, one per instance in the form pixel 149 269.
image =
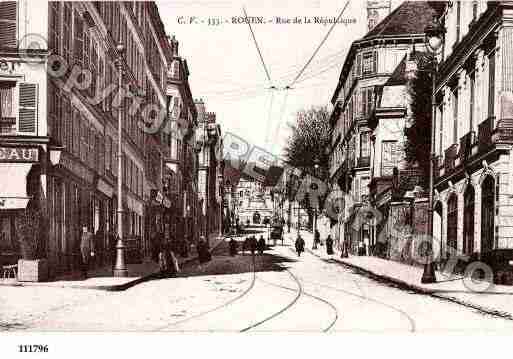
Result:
pixel 6 233
pixel 452 222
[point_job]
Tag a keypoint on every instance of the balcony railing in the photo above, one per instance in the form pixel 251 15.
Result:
pixel 485 130
pixel 450 157
pixel 466 144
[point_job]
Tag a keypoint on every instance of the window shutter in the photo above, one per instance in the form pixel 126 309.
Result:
pixel 27 115
pixel 8 11
pixel 359 64
pixel 375 62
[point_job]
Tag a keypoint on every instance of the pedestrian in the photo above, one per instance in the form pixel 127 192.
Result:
pixel 245 245
pixel 300 245
pixel 261 245
pixel 329 245
pixel 317 239
pixel 98 245
pixel 233 247
pixel 203 253
pixel 253 245
pixel 163 260
pixel 86 250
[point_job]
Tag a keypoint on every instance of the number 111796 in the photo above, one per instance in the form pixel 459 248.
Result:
pixel 33 348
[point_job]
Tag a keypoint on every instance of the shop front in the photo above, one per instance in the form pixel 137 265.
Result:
pixel 21 170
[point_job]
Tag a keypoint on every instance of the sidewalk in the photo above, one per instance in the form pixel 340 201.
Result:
pixel 495 300
pixel 101 278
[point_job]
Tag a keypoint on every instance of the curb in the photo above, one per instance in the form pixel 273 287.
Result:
pixel 432 293
pixel 112 288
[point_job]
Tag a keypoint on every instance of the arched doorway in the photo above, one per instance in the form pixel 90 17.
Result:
pixel 438 226
pixel 487 214
pixel 468 219
pixel 452 224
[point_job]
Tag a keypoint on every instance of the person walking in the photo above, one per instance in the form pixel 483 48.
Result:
pixel 329 245
pixel 253 245
pixel 86 250
pixel 317 239
pixel 300 245
pixel 261 245
pixel 233 247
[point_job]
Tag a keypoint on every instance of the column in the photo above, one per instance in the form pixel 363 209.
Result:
pixel 477 218
pixel 461 213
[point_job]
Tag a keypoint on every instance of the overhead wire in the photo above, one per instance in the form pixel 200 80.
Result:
pixel 257 47
pixel 320 44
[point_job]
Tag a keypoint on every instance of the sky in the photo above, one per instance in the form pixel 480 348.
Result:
pixel 226 70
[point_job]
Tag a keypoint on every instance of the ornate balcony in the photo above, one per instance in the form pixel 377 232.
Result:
pixel 450 156
pixel 466 146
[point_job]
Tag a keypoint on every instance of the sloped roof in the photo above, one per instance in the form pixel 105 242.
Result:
pixel 398 77
pixel 411 17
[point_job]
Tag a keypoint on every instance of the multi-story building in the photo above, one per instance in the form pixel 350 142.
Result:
pixel 474 124
pixel 58 144
pixel 181 159
pixel 209 135
pixel 369 64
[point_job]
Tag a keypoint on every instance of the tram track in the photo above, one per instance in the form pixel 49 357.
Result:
pixel 282 310
pixel 398 310
pixel 336 316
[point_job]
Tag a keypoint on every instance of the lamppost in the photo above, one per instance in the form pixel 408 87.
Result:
pixel 120 269
pixel 434 33
pixel 316 173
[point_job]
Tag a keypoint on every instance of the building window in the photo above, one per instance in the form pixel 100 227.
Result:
pixel 491 84
pixel 365 144
pixel 389 157
pixel 472 78
pixel 7 108
pixel 487 214
pixel 452 222
pixel 8 24
pixel 440 122
pixel 369 63
pixel 455 104
pixel 367 98
pixel 468 220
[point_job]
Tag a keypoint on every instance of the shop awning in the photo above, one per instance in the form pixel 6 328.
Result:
pixel 13 186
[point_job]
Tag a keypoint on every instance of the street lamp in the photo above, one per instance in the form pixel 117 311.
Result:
pixel 120 269
pixel 434 33
pixel 316 173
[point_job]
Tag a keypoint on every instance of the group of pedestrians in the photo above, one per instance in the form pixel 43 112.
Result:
pixel 300 243
pixel 250 243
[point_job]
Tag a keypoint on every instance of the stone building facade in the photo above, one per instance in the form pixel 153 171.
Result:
pixel 59 107
pixel 474 130
pixel 368 66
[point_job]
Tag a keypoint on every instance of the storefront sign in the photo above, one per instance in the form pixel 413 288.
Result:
pixel 19 154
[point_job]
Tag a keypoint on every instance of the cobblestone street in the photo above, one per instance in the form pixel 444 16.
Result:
pixel 284 293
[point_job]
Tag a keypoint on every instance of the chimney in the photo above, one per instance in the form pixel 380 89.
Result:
pixel 377 10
